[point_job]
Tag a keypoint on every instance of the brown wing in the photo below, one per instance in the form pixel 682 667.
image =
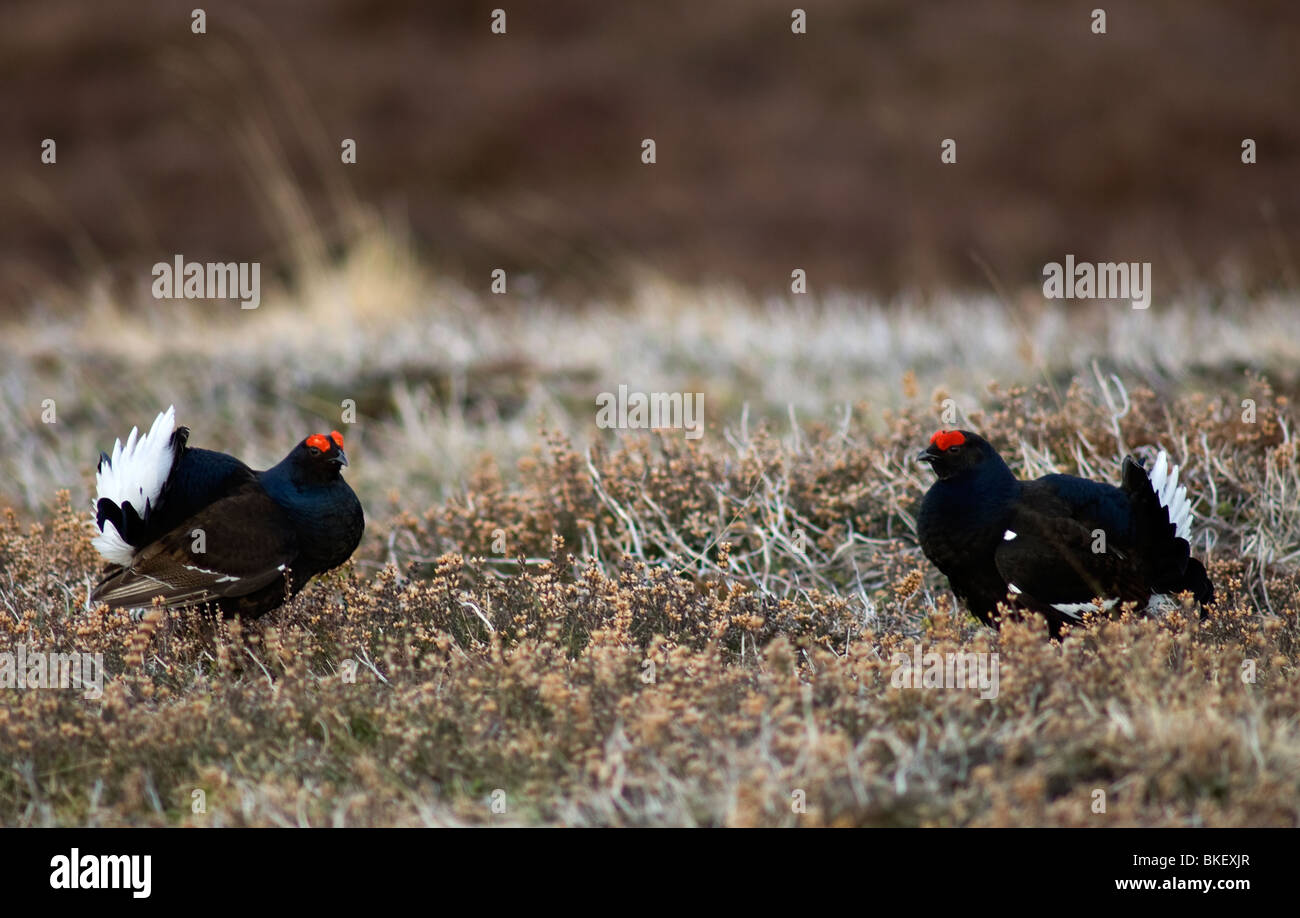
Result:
pixel 230 548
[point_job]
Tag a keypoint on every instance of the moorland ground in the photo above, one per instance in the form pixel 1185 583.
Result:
pixel 552 623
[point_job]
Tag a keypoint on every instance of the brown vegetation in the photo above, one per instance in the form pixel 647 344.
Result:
pixel 775 151
pixel 650 649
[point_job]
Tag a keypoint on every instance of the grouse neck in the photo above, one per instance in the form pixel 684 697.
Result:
pixel 978 494
pixel 279 475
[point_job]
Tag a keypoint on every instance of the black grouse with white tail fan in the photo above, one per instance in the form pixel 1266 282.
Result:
pixel 199 527
pixel 1059 545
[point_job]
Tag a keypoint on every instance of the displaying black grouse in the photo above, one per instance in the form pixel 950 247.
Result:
pixel 1058 545
pixel 199 527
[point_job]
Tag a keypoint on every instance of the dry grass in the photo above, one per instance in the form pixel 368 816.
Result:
pixel 632 631
pixel 442 375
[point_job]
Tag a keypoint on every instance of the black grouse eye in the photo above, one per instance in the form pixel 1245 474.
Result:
pixel 953 449
pixel 315 451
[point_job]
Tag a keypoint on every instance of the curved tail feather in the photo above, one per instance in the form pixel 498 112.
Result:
pixel 128 483
pixel 1162 514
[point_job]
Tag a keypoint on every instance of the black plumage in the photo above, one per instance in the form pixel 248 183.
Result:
pixel 216 532
pixel 1058 544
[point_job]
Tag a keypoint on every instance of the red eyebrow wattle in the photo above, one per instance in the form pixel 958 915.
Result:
pixel 946 438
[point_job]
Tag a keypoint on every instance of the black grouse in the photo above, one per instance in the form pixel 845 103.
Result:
pixel 199 527
pixel 1059 545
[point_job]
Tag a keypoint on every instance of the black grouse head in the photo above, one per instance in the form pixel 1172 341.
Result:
pixel 318 459
pixel 952 452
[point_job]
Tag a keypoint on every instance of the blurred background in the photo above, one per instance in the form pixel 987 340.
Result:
pixel 522 150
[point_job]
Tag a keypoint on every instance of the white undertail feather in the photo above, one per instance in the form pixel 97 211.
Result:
pixel 1076 609
pixel 1172 496
pixel 1160 605
pixel 134 474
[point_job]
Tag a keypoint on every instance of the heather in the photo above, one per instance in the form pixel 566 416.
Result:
pixel 549 623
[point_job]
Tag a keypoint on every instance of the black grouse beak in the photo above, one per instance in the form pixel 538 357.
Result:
pixel 341 458
pixel 927 456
